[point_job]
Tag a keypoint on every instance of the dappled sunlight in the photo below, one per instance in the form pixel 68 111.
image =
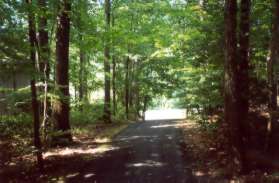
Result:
pixel 72 175
pixel 137 137
pixel 72 151
pixel 147 163
pixel 199 173
pixel 102 140
pixel 175 125
pixel 88 175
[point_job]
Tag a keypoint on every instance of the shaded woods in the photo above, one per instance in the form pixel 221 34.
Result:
pixel 75 73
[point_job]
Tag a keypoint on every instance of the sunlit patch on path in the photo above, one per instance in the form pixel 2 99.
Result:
pixel 161 114
pixel 147 163
pixel 74 150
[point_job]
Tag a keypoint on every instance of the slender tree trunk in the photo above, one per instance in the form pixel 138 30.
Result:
pixel 137 90
pixel 131 84
pixel 43 39
pixel 81 72
pixel 44 62
pixel 75 93
pixel 145 102
pixel 35 104
pixel 62 108
pixel 113 71
pixel 127 86
pixel 114 85
pixel 107 110
pixel 36 119
pixel 85 84
pixel 231 111
pixel 81 58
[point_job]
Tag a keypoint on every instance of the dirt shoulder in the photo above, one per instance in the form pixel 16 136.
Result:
pixel 210 160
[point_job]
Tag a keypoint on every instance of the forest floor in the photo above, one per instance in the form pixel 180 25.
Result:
pixel 210 159
pixel 18 163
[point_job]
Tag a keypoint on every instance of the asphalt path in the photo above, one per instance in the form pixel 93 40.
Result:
pixel 145 152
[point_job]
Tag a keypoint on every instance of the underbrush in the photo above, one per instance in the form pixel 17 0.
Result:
pixel 16 131
pixel 83 114
pixel 15 125
pixel 19 127
pixel 86 114
pixel 17 160
pixel 15 137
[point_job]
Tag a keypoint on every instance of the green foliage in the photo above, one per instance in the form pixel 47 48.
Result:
pixel 84 113
pixel 17 101
pixel 15 126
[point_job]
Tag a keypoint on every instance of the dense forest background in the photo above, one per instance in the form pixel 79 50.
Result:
pixel 69 64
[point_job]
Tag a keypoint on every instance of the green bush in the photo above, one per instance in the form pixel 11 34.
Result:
pixel 85 113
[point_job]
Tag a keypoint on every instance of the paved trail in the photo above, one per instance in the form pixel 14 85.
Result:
pixel 145 152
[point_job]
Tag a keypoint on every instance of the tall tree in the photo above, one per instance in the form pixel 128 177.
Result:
pixel 273 59
pixel 114 103
pixel 230 85
pixel 81 70
pixel 243 61
pixel 127 86
pixel 242 83
pixel 62 108
pixel 107 105
pixel 82 55
pixel 35 104
pixel 43 39
pixel 44 59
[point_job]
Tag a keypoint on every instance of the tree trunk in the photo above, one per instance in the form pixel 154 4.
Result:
pixel 44 62
pixel 14 80
pixel 81 72
pixel 114 85
pixel 35 105
pixel 242 83
pixel 231 111
pixel 43 40
pixel 36 119
pixel 272 71
pixel 113 71
pixel 127 86
pixel 81 58
pixel 131 84
pixel 62 109
pixel 273 61
pixel 243 74
pixel 145 102
pixel 85 79
pixel 107 111
pixel 136 73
